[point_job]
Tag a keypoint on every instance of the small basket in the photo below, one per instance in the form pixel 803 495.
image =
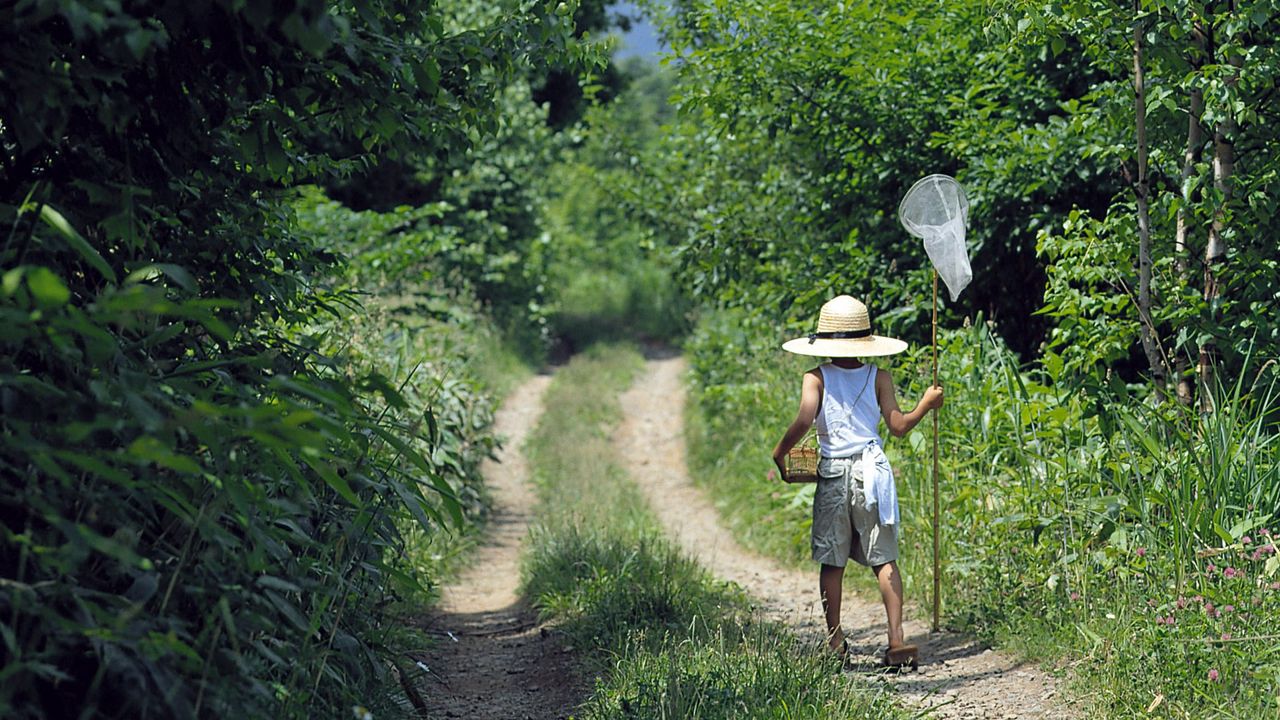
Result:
pixel 802 461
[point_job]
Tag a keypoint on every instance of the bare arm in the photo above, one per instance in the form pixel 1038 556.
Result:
pixel 900 423
pixel 810 398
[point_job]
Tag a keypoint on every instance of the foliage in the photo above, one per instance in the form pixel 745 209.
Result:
pixel 1227 54
pixel 1072 522
pixel 209 468
pixel 607 278
pixel 802 125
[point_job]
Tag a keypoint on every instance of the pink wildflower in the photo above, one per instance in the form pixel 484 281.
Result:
pixel 1264 532
pixel 1141 552
pixel 1182 603
pixel 1075 595
pixel 1226 636
pixel 773 473
pixel 1230 573
pixel 1268 548
pixel 1213 675
pixel 1208 609
pixel 1228 608
pixel 1246 539
pixel 1211 568
pixel 1198 599
pixel 1274 586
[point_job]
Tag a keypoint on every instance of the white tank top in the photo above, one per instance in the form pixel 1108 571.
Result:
pixel 850 414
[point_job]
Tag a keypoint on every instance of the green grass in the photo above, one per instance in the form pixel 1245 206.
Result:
pixel 1076 518
pixel 665 639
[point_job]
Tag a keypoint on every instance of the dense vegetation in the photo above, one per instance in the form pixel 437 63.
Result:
pixel 239 421
pixel 265 268
pixel 1111 475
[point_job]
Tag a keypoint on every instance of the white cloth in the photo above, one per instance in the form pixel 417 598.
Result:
pixel 879 487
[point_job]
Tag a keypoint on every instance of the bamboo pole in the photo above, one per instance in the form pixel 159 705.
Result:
pixel 937 578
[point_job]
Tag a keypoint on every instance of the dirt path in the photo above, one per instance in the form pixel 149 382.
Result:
pixel 494 661
pixel 957 677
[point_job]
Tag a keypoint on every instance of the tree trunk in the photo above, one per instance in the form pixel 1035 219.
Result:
pixel 1142 188
pixel 1215 252
pixel 1182 253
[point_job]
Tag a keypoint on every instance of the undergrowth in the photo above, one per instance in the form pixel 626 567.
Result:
pixel 1081 525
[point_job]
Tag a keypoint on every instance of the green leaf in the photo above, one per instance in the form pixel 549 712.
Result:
pixel 55 220
pixel 12 280
pixel 105 545
pixel 426 74
pixel 47 288
pixel 332 479
pixel 176 273
pixel 432 475
pixel 149 449
pixel 276 583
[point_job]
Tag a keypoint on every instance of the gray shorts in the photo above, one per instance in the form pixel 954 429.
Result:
pixel 842 526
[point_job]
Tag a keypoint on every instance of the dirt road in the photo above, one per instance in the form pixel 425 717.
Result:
pixel 494 661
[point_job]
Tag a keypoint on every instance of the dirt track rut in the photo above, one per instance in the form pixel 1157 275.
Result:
pixel 493 660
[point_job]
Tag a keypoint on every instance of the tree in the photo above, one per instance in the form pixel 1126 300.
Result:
pixel 196 501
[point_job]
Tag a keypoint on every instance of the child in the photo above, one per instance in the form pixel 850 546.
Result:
pixel 855 507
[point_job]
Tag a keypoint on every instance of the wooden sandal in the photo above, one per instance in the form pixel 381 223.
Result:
pixel 900 657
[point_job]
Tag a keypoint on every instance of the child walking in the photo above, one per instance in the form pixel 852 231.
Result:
pixel 855 507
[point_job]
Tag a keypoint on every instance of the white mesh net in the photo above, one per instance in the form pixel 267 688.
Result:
pixel 936 210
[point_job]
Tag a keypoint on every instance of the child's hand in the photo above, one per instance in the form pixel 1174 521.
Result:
pixel 932 399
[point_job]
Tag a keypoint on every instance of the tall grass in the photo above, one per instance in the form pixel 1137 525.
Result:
pixel 667 640
pixel 1079 521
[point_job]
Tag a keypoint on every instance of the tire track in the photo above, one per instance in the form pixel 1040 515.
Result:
pixel 494 660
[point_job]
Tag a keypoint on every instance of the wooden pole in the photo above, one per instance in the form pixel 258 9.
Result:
pixel 937 578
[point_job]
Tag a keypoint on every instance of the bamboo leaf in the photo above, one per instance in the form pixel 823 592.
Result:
pixel 56 221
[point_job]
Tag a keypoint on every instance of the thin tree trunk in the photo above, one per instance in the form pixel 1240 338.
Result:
pixel 1182 253
pixel 1215 252
pixel 1142 187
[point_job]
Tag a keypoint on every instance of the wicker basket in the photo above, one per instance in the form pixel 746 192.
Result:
pixel 802 461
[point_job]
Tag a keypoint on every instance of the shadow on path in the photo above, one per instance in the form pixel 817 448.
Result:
pixel 497 664
pixel 492 660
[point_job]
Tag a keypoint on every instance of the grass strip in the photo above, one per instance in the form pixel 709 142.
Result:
pixel 665 638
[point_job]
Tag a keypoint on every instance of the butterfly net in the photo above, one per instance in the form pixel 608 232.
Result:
pixel 936 210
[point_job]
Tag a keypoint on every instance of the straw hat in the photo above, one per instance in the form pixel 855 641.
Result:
pixel 844 330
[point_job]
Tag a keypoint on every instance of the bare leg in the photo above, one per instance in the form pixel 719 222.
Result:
pixel 891 593
pixel 830 583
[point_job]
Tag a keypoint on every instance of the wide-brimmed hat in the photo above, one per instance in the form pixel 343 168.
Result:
pixel 844 330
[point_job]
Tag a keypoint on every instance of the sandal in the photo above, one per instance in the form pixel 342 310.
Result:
pixel 900 657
